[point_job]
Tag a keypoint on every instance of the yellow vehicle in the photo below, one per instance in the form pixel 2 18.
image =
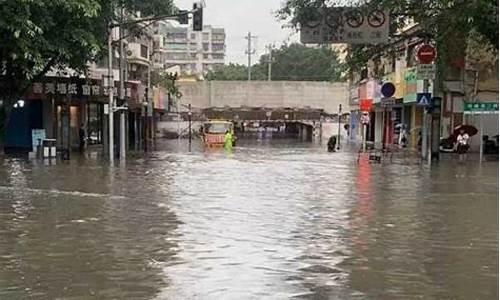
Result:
pixel 214 131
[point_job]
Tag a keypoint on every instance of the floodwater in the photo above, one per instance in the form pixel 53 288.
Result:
pixel 272 220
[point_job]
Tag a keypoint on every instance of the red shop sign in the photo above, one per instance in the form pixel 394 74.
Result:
pixel 365 104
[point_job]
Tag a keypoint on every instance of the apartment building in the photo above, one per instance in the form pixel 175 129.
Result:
pixel 193 53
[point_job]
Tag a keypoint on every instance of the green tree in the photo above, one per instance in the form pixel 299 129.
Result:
pixel 290 62
pixel 228 72
pixel 38 36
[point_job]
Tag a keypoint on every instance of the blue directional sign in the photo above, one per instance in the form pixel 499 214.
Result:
pixel 424 99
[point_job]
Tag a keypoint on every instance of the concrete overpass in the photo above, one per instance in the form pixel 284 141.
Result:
pixel 313 95
pixel 300 105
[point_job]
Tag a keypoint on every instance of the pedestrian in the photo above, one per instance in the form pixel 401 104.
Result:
pixel 332 142
pixel 228 141
pixel 462 145
pixel 81 134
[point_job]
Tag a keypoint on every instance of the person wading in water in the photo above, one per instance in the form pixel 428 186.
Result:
pixel 462 145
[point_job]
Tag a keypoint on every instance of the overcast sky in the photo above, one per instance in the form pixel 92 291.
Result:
pixel 240 16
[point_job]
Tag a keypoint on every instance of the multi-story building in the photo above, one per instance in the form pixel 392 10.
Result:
pixel 192 52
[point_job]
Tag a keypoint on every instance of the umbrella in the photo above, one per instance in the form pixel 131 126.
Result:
pixel 469 129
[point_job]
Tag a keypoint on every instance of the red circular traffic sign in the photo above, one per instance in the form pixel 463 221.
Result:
pixel 426 54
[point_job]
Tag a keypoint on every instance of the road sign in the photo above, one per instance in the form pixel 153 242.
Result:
pixel 387 102
pixel 424 99
pixel 481 108
pixel 348 25
pixel 426 71
pixel 426 54
pixel 388 89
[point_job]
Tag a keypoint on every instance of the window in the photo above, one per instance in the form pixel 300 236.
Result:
pixel 193 36
pixel 205 46
pixel 218 37
pixel 217 47
pixel 176 35
pixel 176 46
pixel 218 56
pixel 205 56
pixel 144 51
pixel 205 36
pixel 194 55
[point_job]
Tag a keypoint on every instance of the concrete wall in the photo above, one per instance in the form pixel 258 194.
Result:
pixel 273 94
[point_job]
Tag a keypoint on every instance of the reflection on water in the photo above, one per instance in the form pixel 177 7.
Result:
pixel 272 220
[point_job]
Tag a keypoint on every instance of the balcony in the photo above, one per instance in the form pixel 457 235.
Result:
pixel 138 54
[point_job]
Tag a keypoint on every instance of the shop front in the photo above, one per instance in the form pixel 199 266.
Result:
pixel 412 114
pixel 69 110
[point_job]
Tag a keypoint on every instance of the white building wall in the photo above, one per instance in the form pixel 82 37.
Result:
pixel 273 94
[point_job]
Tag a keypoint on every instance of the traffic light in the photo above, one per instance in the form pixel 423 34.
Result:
pixel 197 17
pixel 183 17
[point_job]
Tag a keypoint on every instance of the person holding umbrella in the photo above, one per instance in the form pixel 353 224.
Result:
pixel 463 134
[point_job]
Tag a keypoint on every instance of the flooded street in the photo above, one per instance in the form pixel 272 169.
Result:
pixel 273 220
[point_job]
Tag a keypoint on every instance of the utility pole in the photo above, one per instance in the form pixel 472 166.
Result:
pixel 122 93
pixel 340 117
pixel 110 83
pixel 249 52
pixel 270 62
pixel 189 117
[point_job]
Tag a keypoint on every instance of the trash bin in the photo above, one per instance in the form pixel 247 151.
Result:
pixel 49 148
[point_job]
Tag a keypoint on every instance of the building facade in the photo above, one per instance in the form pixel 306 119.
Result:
pixel 460 82
pixel 194 53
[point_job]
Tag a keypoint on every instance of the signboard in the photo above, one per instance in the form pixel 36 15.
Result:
pixel 37 135
pixel 346 25
pixel 365 104
pixel 481 108
pixel 388 102
pixel 410 85
pixel 388 89
pixel 426 71
pixel 426 54
pixel 424 99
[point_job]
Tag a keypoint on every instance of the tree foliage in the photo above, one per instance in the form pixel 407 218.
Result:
pixel 447 22
pixel 293 62
pixel 228 72
pixel 38 36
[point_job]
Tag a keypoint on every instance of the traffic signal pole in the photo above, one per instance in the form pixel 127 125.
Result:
pixel 110 80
